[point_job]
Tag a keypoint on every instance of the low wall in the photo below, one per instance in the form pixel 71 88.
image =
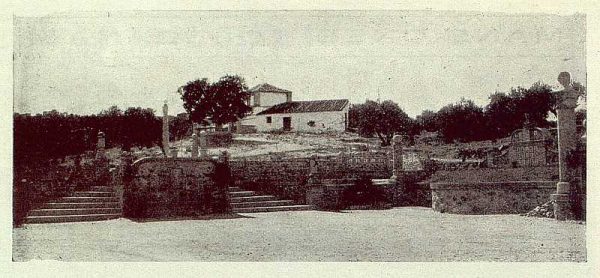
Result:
pixel 288 177
pixel 169 187
pixel 328 195
pixel 490 197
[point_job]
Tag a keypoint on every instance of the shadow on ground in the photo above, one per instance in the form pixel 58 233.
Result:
pixel 199 217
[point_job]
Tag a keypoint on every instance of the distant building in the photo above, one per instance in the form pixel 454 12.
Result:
pixel 273 109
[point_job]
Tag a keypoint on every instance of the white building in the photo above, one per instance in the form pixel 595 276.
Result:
pixel 273 109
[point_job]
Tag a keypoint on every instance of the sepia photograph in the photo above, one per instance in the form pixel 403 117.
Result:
pixel 299 136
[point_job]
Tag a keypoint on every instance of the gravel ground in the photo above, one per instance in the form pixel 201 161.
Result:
pixel 399 234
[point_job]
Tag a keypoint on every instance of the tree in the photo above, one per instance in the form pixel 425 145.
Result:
pixel 224 101
pixel 427 121
pixel 382 119
pixel 463 121
pixel 143 127
pixel 508 112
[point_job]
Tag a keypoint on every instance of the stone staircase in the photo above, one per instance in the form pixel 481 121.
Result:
pixel 243 201
pixel 99 203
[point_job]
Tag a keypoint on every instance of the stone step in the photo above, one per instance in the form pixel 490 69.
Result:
pixel 59 205
pixel 271 209
pixel 241 193
pixel 86 199
pixel 235 188
pixel 380 181
pixel 77 211
pixel 253 199
pixel 263 204
pixel 93 194
pixel 70 218
pixel 102 189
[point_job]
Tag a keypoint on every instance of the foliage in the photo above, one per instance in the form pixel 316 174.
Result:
pixel 463 121
pixel 364 193
pixel 224 101
pixel 508 112
pixel 427 121
pixel 56 135
pixel 180 127
pixel 383 119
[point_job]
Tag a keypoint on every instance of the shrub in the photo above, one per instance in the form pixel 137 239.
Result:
pixel 364 193
pixel 220 139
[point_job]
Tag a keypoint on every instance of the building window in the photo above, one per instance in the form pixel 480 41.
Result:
pixel 268 120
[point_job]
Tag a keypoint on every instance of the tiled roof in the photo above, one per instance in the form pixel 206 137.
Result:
pixel 267 88
pixel 307 106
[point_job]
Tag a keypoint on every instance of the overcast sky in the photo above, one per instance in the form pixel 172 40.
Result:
pixel 85 62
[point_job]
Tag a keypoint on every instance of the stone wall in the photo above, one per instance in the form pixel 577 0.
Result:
pixel 288 177
pixel 169 187
pixel 40 181
pixel 490 197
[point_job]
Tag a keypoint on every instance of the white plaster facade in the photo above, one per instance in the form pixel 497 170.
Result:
pixel 301 116
pixel 323 121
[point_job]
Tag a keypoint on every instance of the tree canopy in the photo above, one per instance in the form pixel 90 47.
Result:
pixel 221 102
pixel 383 119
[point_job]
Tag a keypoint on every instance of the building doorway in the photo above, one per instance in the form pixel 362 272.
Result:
pixel 287 123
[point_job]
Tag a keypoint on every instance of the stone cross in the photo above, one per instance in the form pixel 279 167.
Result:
pixel 567 141
pixel 165 128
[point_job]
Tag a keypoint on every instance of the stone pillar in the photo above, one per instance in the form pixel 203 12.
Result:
pixel 312 170
pixel 567 142
pixel 101 162
pixel 125 176
pixel 174 152
pixel 238 126
pixel 165 129
pixel 397 157
pixel 101 145
pixel 194 145
pixel 490 159
pixel 203 143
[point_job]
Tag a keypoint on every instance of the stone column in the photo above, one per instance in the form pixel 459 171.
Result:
pixel 396 157
pixel 125 176
pixel 194 145
pixel 174 152
pixel 101 145
pixel 567 142
pixel 238 126
pixel 312 170
pixel 165 129
pixel 101 162
pixel 490 159
pixel 203 143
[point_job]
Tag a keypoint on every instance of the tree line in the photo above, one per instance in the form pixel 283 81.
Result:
pixel 463 121
pixel 55 135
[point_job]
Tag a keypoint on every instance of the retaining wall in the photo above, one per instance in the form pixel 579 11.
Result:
pixel 490 197
pixel 170 187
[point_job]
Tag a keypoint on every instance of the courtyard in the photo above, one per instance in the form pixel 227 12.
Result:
pixel 401 234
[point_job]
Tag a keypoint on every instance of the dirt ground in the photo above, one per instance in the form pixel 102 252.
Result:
pixel 399 234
